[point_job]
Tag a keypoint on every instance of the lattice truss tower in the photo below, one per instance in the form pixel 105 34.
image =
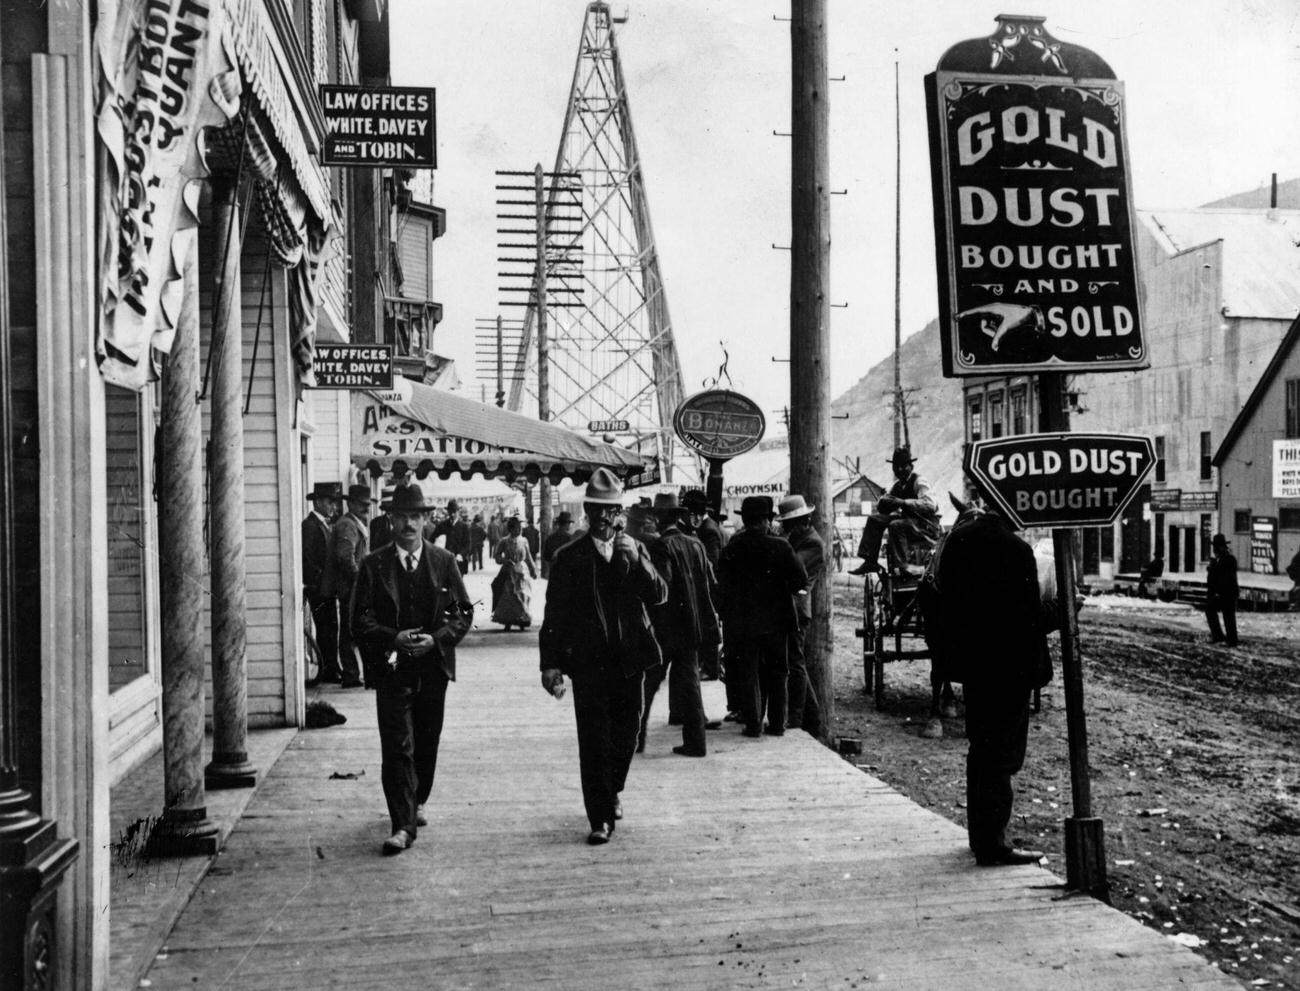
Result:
pixel 613 357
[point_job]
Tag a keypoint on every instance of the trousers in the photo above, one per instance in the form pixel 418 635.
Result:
pixel 685 704
pixel 607 709
pixel 997 726
pixel 758 662
pixel 410 706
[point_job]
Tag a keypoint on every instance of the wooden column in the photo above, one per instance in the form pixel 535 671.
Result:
pixel 186 828
pixel 810 311
pixel 543 346
pixel 230 767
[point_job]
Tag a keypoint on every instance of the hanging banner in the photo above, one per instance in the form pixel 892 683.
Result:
pixel 1034 222
pixel 376 126
pixel 166 73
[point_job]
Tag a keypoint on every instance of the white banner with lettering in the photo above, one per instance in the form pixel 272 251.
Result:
pixel 1286 469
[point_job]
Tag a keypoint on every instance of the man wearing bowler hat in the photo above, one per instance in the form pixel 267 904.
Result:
pixel 597 631
pixel 409 610
pixel 325 498
pixel 349 543
pixel 759 576
pixel 796 519
pixel 908 513
pixel 561 534
pixel 685 622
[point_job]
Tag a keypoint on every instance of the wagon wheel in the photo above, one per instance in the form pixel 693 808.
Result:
pixel 870 619
pixel 886 619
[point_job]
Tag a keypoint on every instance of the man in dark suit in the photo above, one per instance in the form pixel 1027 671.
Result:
pixel 990 604
pixel 325 498
pixel 349 543
pixel 796 519
pixel 409 610
pixel 759 576
pixel 560 535
pixel 597 631
pixel 1221 592
pixel 705 528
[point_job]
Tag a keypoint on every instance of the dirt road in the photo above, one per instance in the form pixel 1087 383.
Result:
pixel 1195 757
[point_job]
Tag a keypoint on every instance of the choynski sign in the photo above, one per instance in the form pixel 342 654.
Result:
pixel 1034 228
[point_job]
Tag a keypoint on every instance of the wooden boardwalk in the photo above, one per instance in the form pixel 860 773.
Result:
pixel 770 864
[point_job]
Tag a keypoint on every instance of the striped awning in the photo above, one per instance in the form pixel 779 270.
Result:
pixel 417 428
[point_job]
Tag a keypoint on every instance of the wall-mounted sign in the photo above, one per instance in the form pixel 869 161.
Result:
pixel 1286 469
pixel 379 126
pixel 1263 545
pixel 719 424
pixel 608 426
pixel 1034 223
pixel 1166 500
pixel 353 366
pixel 1194 501
pixel 1046 480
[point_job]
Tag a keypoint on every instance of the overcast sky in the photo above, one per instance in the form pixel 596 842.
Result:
pixel 1212 101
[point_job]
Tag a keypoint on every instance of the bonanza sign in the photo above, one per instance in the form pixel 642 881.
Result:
pixel 1067 480
pixel 719 424
pixel 385 125
pixel 1034 224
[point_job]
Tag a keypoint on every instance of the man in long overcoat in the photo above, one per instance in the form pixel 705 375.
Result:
pixel 796 519
pixel 597 631
pixel 1221 592
pixel 349 544
pixel 316 526
pixel 686 621
pixel 759 576
pixel 991 609
pixel 409 609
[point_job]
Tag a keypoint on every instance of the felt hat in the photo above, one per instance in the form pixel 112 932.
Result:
pixel 326 490
pixel 603 489
pixel 407 499
pixel 360 492
pixel 666 506
pixel 1219 540
pixel 902 456
pixel 792 507
pixel 756 506
pixel 564 517
pixel 695 500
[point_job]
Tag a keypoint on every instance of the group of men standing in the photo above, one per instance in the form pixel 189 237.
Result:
pixel 620 610
pixel 334 541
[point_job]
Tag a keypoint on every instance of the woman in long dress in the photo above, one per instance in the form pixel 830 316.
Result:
pixel 512 588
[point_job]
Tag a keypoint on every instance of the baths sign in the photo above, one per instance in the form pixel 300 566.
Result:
pixel 1034 223
pixel 1047 480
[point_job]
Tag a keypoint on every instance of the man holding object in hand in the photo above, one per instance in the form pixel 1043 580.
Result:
pixel 409 610
pixel 597 631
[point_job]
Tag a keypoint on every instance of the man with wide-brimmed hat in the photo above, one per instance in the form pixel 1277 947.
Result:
pixel 699 522
pixel 908 514
pixel 409 610
pixel 1221 592
pixel 682 624
pixel 759 575
pixel 349 543
pixel 325 498
pixel 561 534
pixel 597 631
pixel 796 519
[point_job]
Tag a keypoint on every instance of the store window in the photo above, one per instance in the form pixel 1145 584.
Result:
pixel 975 418
pixel 1293 407
pixel 1241 521
pixel 128 540
pixel 1288 517
pixel 996 426
pixel 1018 421
pixel 1160 459
pixel 1206 454
pixel 1207 535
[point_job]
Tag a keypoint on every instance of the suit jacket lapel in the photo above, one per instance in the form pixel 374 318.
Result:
pixel 388 576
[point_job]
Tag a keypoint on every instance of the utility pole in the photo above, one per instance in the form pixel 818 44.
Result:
pixel 501 383
pixel 900 410
pixel 810 311
pixel 543 345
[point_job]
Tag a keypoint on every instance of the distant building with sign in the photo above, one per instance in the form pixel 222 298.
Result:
pixel 1259 463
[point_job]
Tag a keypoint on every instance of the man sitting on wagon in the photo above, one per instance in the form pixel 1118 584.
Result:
pixel 908 514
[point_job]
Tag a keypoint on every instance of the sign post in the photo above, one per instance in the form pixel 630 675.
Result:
pixel 1034 238
pixel 718 424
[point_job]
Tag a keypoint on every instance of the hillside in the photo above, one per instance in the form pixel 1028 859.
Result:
pixel 935 420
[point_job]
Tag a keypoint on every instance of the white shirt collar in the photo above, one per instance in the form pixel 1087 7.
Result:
pixel 403 554
pixel 605 548
pixel 323 519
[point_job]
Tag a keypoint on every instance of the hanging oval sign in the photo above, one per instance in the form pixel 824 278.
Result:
pixel 719 424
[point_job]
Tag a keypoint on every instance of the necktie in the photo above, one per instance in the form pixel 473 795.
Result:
pixel 410 564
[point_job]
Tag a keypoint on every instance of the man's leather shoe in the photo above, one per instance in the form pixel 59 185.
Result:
pixel 774 732
pixel 731 717
pixel 685 751
pixel 600 834
pixel 1010 855
pixel 713 724
pixel 752 733
pixel 420 818
pixel 618 808
pixel 351 684
pixel 863 569
pixel 399 841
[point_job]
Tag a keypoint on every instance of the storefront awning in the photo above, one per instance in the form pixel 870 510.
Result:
pixel 419 429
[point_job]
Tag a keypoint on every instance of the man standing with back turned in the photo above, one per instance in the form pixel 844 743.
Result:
pixel 597 631
pixel 410 610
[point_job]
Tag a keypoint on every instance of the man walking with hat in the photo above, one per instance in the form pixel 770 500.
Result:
pixel 410 609
pixel 908 513
pixel 682 624
pixel 561 534
pixel 316 527
pixel 1222 591
pixel 759 576
pixel 597 631
pixel 349 543
pixel 796 519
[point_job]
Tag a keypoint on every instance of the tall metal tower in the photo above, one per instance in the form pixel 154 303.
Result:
pixel 612 358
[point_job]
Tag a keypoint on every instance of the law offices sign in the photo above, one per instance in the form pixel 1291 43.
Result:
pixel 1034 225
pixel 379 126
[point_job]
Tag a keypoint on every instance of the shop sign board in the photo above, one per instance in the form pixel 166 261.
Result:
pixel 1061 480
pixel 1263 545
pixel 1166 500
pixel 719 424
pixel 608 426
pixel 1197 501
pixel 1286 469
pixel 374 126
pixel 353 366
pixel 1034 221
